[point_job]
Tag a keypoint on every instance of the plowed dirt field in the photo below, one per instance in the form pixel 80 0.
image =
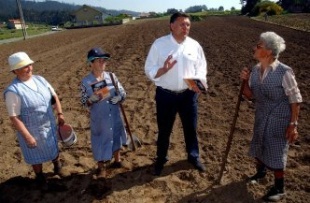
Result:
pixel 228 44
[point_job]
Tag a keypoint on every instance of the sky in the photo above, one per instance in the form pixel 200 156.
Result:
pixel 159 6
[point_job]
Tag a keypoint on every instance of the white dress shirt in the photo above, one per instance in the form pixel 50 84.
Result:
pixel 191 62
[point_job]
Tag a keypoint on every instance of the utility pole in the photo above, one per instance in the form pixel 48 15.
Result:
pixel 21 15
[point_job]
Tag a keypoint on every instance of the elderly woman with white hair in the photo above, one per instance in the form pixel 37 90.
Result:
pixel 272 86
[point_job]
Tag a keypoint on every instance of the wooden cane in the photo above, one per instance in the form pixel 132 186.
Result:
pixel 232 130
pixel 124 115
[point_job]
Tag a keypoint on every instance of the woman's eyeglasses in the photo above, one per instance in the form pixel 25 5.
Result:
pixel 259 46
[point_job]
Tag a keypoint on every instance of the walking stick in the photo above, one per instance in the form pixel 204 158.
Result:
pixel 124 115
pixel 230 137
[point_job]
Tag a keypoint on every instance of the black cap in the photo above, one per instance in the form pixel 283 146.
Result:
pixel 95 53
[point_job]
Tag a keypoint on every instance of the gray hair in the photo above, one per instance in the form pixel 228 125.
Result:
pixel 273 42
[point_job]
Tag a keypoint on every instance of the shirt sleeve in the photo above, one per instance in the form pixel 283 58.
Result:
pixel 13 104
pixel 52 90
pixel 151 64
pixel 201 67
pixel 83 95
pixel 291 88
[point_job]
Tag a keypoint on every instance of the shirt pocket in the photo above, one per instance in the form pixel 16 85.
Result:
pixel 190 56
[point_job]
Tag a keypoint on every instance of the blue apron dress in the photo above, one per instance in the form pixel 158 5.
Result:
pixel 272 116
pixel 106 124
pixel 38 117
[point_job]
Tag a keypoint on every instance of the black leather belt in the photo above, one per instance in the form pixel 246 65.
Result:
pixel 172 92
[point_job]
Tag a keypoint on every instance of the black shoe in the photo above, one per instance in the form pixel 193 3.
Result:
pixel 274 195
pixel 158 168
pixel 40 178
pixel 258 176
pixel 198 165
pixel 116 164
pixel 41 181
pixel 57 167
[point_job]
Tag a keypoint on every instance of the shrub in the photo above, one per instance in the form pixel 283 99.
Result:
pixel 268 7
pixel 195 18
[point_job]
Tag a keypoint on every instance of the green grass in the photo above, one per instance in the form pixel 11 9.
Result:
pixel 31 30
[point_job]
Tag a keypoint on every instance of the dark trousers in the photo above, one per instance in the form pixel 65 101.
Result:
pixel 168 104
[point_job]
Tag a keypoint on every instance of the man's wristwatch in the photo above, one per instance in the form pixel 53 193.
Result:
pixel 295 123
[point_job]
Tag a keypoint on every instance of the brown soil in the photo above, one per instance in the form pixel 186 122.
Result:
pixel 228 42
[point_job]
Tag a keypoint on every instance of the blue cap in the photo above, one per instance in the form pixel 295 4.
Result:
pixel 95 53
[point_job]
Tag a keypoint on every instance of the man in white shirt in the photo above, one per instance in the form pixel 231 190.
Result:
pixel 171 59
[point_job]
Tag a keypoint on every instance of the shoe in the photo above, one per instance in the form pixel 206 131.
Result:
pixel 41 181
pixel 40 178
pixel 116 164
pixel 59 170
pixel 121 164
pixel 101 173
pixel 198 165
pixel 274 195
pixel 57 167
pixel 158 168
pixel 102 169
pixel 257 177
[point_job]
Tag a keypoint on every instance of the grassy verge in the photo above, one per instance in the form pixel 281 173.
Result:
pixel 31 30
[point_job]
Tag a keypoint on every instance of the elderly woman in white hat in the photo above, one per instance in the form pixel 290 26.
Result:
pixel 277 99
pixel 28 101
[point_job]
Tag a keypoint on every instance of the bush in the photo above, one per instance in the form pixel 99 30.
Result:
pixel 268 7
pixel 195 18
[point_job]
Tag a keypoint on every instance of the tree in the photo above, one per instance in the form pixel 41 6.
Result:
pixel 248 5
pixel 195 9
pixel 289 5
pixel 268 8
pixel 221 8
pixel 171 10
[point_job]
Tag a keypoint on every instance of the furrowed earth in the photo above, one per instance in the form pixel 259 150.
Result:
pixel 228 44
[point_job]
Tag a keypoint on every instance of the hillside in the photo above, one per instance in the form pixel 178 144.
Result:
pixel 8 9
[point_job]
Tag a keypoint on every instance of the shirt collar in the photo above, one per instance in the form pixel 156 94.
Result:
pixel 174 41
pixel 273 66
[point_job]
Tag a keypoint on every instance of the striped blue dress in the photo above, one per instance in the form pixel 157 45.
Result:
pixel 272 117
pixel 106 124
pixel 38 117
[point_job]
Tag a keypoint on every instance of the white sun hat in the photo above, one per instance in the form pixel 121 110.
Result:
pixel 19 60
